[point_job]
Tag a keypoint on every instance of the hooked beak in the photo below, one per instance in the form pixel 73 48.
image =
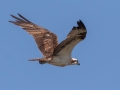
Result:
pixel 78 63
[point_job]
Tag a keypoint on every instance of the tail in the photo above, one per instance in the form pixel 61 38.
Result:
pixel 35 59
pixel 41 60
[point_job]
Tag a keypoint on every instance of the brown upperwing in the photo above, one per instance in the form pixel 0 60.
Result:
pixel 46 40
pixel 76 35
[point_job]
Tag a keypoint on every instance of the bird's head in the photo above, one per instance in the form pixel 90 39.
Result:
pixel 74 61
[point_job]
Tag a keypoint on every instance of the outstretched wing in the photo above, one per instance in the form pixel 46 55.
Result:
pixel 46 40
pixel 76 35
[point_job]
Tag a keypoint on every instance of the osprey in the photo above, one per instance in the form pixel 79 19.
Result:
pixel 47 42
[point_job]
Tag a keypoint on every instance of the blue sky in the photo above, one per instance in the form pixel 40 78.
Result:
pixel 99 53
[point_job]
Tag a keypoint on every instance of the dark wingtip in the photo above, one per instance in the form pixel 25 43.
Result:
pixel 81 24
pixel 19 14
pixel 12 15
pixel 23 17
pixel 11 21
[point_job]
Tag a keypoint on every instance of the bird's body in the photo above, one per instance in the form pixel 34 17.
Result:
pixel 60 60
pixel 54 53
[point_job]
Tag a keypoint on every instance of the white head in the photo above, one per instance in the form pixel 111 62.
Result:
pixel 74 61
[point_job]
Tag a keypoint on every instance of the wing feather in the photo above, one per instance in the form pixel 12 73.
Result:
pixel 76 35
pixel 46 40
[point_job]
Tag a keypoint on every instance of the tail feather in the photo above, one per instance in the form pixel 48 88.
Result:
pixel 35 59
pixel 41 60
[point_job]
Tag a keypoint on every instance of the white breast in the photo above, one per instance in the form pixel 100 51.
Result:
pixel 60 60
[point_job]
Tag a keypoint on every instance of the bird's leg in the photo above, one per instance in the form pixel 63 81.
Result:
pixel 42 62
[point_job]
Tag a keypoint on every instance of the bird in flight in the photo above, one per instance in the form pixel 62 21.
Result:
pixel 47 42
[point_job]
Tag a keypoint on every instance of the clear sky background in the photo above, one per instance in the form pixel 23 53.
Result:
pixel 99 53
